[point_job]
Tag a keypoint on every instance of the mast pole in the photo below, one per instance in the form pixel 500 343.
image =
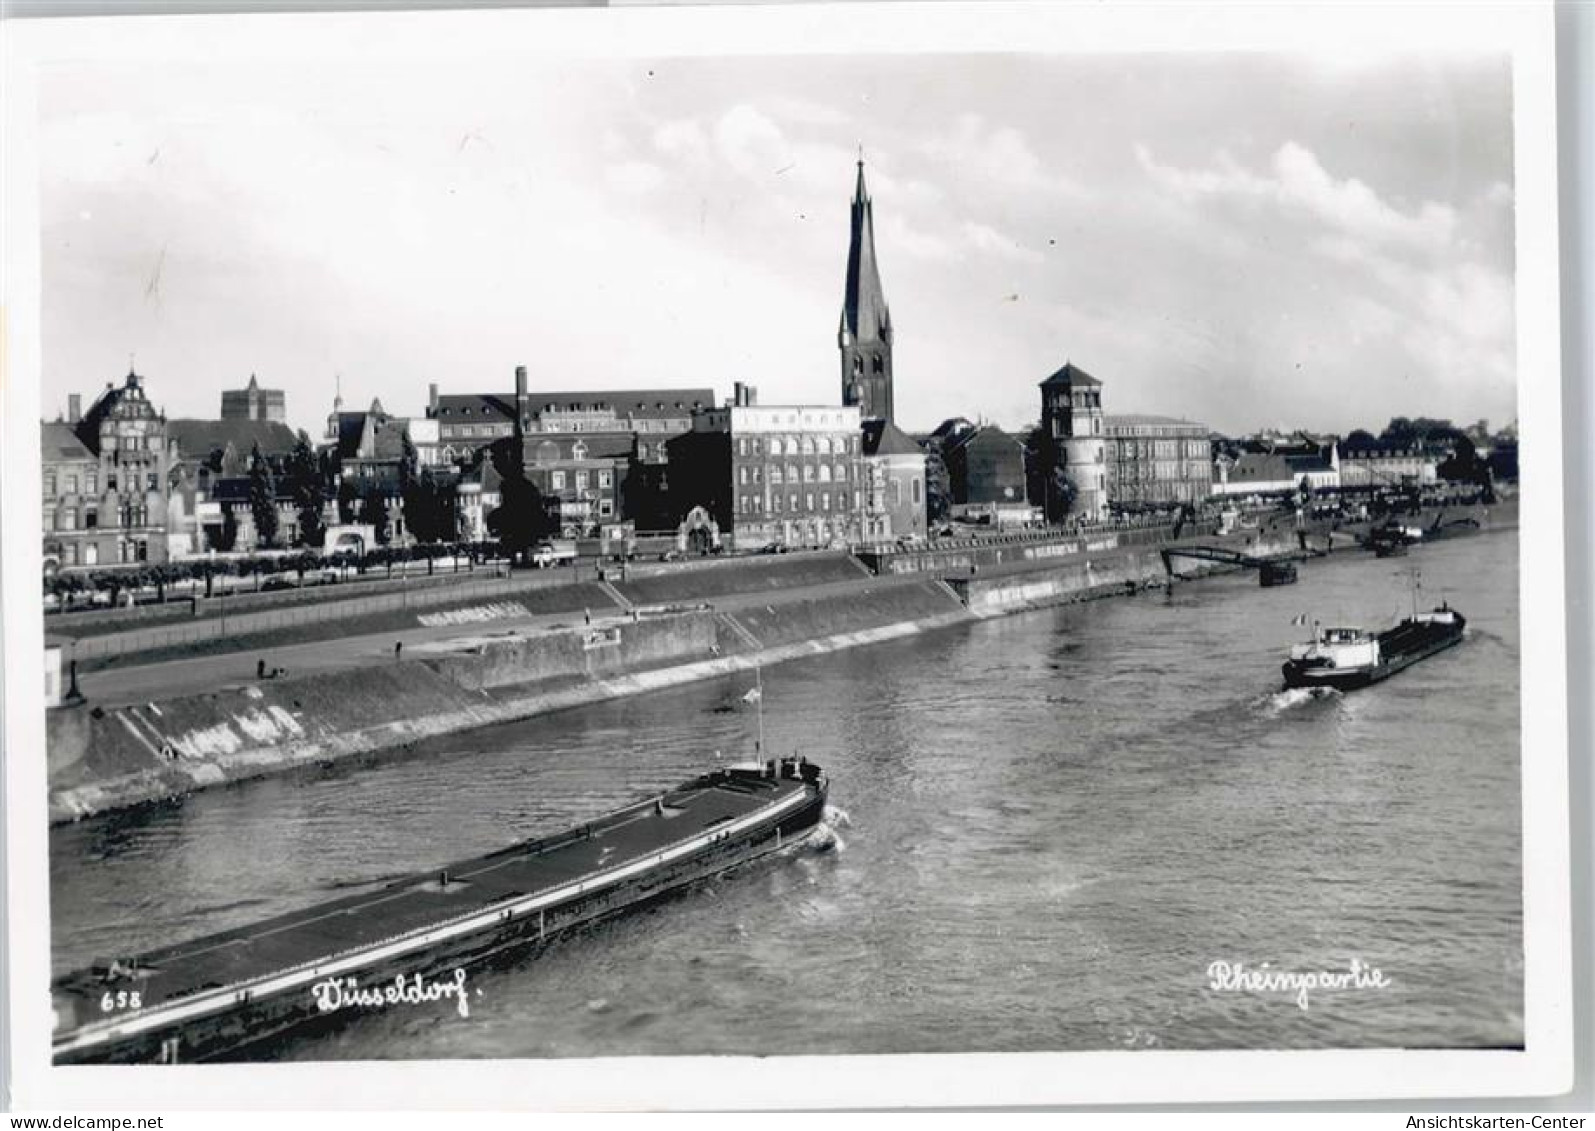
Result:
pixel 758 679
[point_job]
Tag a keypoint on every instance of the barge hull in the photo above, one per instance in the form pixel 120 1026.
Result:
pixel 256 1011
pixel 1297 675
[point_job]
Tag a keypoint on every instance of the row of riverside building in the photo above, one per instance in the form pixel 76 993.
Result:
pixel 123 484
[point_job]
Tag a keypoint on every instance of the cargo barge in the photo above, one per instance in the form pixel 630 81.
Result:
pixel 1349 658
pixel 417 938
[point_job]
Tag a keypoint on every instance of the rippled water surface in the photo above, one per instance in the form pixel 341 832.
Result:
pixel 1054 823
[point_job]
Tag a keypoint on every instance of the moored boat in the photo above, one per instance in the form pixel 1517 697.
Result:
pixel 1349 658
pixel 1273 573
pixel 418 938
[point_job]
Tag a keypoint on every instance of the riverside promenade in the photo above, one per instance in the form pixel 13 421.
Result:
pixel 161 729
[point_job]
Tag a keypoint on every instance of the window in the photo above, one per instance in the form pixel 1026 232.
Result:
pixel 49 483
pixel 825 473
pixel 808 501
pixel 91 483
pixel 71 484
pixel 758 473
pixel 154 481
pixel 606 507
pixel 606 478
pixel 918 492
pixel 808 473
pixel 69 518
pixel 825 500
pixel 110 481
pixel 742 475
pixel 894 493
pixel 581 481
pixel 807 446
pixel 742 445
pixel 556 480
pixel 792 501
pixel 49 519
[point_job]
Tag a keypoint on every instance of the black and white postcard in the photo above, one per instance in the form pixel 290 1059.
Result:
pixel 784 557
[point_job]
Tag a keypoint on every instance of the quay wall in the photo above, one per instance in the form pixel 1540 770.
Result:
pixel 103 759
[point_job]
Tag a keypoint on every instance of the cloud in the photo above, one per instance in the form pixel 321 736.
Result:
pixel 1298 186
pixel 984 238
pixel 639 177
pixel 975 149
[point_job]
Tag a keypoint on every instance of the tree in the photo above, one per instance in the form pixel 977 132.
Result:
pixel 1359 440
pixel 410 495
pixel 374 512
pixel 348 501
pixel 1463 465
pixel 262 499
pixel 227 537
pixel 522 518
pixel 428 500
pixel 307 484
pixel 1061 495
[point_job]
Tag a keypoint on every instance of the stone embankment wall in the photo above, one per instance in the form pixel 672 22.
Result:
pixel 105 759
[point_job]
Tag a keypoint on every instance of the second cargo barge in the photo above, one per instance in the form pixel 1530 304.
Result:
pixel 208 997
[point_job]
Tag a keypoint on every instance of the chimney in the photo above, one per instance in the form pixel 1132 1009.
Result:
pixel 432 399
pixel 522 413
pixel 737 395
pixel 74 408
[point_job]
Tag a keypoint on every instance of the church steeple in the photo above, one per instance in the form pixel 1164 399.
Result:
pixel 865 333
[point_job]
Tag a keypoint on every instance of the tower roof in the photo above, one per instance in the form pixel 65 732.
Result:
pixel 864 311
pixel 1071 374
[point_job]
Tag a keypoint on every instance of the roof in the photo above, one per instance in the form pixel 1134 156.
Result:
pixel 883 438
pixel 1300 463
pixel 1070 374
pixel 235 489
pixel 600 445
pixel 644 404
pixel 991 436
pixel 954 428
pixel 58 442
pixel 370 435
pixel 865 314
pixel 1253 467
pixel 1147 420
pixel 197 439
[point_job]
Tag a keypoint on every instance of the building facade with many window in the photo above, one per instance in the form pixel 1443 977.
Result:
pixel 107 496
pixel 1157 461
pixel 778 474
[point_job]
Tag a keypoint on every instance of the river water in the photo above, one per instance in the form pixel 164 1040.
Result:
pixel 1049 826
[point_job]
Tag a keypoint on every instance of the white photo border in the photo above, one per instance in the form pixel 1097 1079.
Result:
pixel 1544 1066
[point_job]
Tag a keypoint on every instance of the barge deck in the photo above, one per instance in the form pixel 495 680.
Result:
pixel 200 998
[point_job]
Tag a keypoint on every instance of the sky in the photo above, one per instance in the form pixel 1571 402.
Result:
pixel 1245 240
